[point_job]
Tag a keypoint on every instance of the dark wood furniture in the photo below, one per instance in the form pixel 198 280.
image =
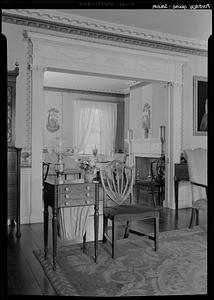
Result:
pixel 69 195
pixel 181 173
pixel 155 183
pixel 13 186
pixel 117 182
pixel 151 186
pixel 13 154
pixel 11 105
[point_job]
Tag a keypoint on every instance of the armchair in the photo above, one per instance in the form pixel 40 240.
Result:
pixel 197 168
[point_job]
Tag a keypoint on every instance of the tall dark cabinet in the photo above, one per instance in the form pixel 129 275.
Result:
pixel 13 154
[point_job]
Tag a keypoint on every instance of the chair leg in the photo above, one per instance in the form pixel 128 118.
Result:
pixel 84 242
pixel 156 232
pixel 114 238
pixel 153 195
pixel 197 217
pixel 105 228
pixel 128 225
pixel 193 216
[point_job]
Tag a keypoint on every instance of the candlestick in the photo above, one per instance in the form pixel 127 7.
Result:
pixel 130 134
pixel 162 138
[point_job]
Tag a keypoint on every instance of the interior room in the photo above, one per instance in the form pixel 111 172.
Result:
pixel 107 106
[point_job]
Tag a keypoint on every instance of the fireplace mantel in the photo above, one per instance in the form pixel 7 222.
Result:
pixel 150 147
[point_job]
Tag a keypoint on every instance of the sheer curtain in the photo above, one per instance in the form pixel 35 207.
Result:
pixel 108 122
pixel 84 114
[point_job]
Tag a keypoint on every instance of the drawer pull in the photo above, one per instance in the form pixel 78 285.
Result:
pixel 87 194
pixel 66 189
pixel 67 196
pixel 87 202
pixel 65 203
pixel 88 188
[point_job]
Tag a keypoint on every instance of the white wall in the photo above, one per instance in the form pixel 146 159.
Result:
pixel 156 95
pixel 135 112
pixel 159 108
pixel 63 101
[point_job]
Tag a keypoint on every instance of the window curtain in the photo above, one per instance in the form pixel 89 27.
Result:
pixel 84 113
pixel 108 121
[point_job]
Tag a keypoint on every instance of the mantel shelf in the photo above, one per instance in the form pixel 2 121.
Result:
pixel 145 147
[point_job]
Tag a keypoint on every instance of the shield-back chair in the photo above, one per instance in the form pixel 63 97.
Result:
pixel 117 182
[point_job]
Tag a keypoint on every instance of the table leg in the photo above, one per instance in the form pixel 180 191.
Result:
pixel 96 220
pixel 84 242
pixel 18 232
pixel 138 192
pixel 176 193
pixel 46 216
pixel 54 229
pixel 156 232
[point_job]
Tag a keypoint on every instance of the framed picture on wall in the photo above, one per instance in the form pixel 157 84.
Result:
pixel 200 105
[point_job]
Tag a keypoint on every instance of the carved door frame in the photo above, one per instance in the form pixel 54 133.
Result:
pixel 84 57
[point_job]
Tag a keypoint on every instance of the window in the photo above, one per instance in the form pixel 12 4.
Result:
pixel 95 125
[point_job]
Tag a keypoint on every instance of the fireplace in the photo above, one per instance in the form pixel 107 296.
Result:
pixel 142 167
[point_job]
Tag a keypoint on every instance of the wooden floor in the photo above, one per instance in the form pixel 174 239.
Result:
pixel 25 276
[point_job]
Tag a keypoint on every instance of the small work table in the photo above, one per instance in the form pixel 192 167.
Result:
pixel 181 173
pixel 68 195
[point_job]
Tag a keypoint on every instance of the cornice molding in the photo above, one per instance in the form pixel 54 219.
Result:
pixel 87 91
pixel 86 28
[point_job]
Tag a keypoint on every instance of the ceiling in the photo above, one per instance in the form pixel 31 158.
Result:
pixel 193 24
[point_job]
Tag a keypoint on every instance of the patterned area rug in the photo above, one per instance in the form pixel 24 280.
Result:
pixel 178 268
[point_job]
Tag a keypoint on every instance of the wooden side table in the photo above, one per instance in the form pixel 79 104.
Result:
pixel 181 173
pixel 69 195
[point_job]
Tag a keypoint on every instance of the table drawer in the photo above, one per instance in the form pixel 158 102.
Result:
pixel 63 201
pixel 76 194
pixel 77 190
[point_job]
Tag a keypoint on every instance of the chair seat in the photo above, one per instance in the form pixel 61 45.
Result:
pixel 130 212
pixel 200 204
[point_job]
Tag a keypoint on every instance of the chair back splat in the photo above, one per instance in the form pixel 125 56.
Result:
pixel 117 180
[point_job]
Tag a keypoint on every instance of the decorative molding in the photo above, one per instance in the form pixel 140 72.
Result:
pixel 182 109
pixel 103 32
pixel 150 147
pixel 26 162
pixel 63 53
pixel 86 92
